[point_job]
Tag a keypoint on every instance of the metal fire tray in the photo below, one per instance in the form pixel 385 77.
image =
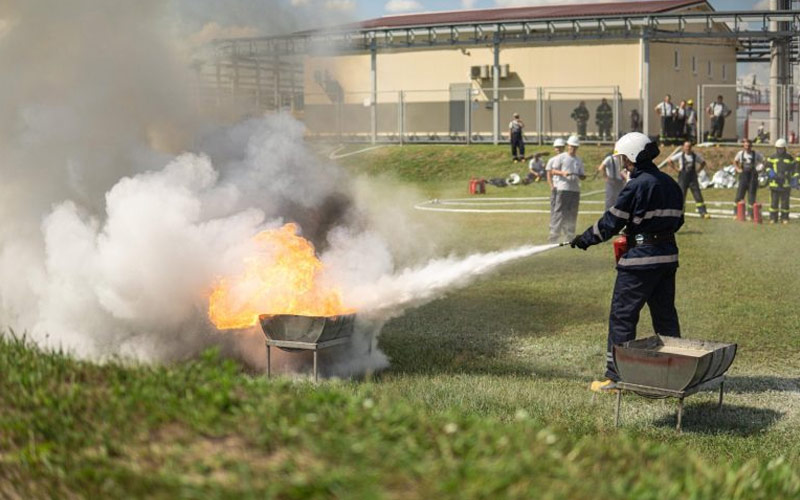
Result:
pixel 662 367
pixel 305 333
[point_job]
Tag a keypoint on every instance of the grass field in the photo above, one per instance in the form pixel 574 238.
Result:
pixel 486 395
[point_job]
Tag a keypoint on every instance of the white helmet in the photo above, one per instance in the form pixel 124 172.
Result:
pixel 559 143
pixel 573 141
pixel 632 144
pixel 780 143
pixel 514 179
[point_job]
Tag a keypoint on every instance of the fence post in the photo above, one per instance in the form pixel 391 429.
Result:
pixel 616 116
pixel 401 116
pixel 701 109
pixel 468 116
pixel 540 114
pixel 496 91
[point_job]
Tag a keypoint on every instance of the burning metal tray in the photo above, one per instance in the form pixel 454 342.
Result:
pixel 305 333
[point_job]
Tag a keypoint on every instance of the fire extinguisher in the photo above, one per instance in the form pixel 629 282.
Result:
pixel 740 211
pixel 757 213
pixel 472 184
pixel 620 247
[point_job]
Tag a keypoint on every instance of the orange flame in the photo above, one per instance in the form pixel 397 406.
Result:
pixel 282 276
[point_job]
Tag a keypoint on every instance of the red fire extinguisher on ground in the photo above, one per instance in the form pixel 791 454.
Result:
pixel 477 186
pixel 757 213
pixel 740 211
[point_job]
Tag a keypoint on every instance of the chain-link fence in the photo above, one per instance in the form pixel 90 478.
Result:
pixel 466 114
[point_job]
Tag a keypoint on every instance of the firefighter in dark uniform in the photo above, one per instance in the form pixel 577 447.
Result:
pixel 581 116
pixel 603 118
pixel 783 176
pixel 650 209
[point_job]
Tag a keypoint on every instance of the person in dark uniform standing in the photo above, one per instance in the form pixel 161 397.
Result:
pixel 690 164
pixel 515 128
pixel 783 176
pixel 650 209
pixel 603 118
pixel 581 116
pixel 745 162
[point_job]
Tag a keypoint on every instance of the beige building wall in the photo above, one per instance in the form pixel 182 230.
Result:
pixel 681 80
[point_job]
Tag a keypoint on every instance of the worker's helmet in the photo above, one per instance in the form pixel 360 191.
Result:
pixel 559 143
pixel 780 143
pixel 514 179
pixel 690 102
pixel 636 147
pixel 573 141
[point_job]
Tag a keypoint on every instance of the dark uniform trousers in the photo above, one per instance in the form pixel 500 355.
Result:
pixel 748 184
pixel 687 180
pixel 779 198
pixel 632 290
pixel 717 126
pixel 517 144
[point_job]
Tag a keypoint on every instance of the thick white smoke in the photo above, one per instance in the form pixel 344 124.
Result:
pixel 111 238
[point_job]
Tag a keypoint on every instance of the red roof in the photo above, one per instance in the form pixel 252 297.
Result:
pixel 525 13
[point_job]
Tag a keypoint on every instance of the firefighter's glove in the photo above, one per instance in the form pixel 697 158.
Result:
pixel 771 174
pixel 577 242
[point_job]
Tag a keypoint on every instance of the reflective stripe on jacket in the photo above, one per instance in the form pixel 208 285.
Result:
pixel 651 202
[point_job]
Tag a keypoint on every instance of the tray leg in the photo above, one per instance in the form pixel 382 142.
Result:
pixel 680 414
pixel 616 412
pixel 721 392
pixel 269 362
pixel 316 376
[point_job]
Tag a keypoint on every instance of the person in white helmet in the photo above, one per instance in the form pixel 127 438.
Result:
pixel 567 172
pixel 650 210
pixel 783 176
pixel 558 146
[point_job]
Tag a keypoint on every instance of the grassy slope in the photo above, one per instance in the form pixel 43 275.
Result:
pixel 486 395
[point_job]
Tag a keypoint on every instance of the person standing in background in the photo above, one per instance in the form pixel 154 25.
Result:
pixel 515 128
pixel 567 172
pixel 691 121
pixel 690 164
pixel 783 176
pixel 679 123
pixel 615 176
pixel 581 117
pixel 558 146
pixel 718 111
pixel 604 118
pixel 636 121
pixel 666 110
pixel 745 163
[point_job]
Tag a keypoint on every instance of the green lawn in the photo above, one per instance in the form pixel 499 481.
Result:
pixel 486 395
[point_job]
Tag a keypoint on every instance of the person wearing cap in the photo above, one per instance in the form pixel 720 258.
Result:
pixel 782 176
pixel 558 146
pixel 745 162
pixel 691 164
pixel 666 110
pixel 650 210
pixel 691 121
pixel 718 111
pixel 567 172
pixel 615 176
pixel 517 140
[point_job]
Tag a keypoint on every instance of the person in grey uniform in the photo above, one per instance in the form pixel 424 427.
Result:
pixel 615 177
pixel 567 171
pixel 558 146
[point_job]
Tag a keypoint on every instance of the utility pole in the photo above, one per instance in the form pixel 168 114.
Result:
pixel 778 75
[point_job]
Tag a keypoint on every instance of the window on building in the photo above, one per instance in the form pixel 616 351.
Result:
pixel 710 74
pixel 724 72
pixel 676 60
pixel 694 64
